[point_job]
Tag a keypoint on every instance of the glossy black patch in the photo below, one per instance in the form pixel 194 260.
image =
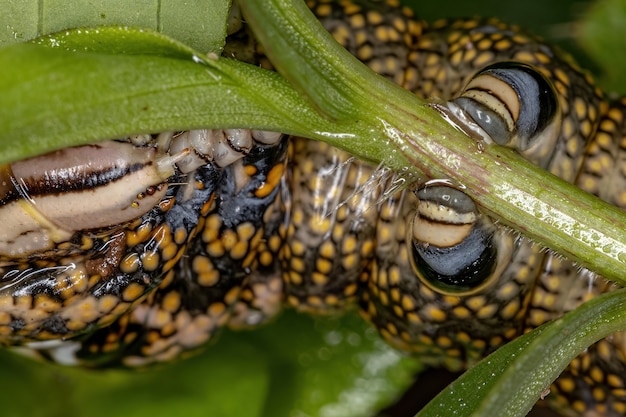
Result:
pixel 457 268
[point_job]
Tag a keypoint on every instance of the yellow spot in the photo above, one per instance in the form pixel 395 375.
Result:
pixel 208 279
pixel 495 341
pixel 381 279
pixel 249 170
pixel 350 262
pixel 385 234
pixel 107 303
pixel 562 77
pixel 455 60
pixel 294 278
pixel 384 298
pixel 232 295
pixel 180 236
pixel 444 342
pixel 579 406
pixel 323 10
pixel 392 329
pixel 413 318
pixel 239 251
pixel 132 292
pixel 350 290
pixel 484 44
pixel 394 275
pixel 510 310
pixel 5 318
pixel 425 340
pixel 395 295
pixel 479 344
pixel 374 17
pixel 614 381
pixel 503 44
pixel 566 384
pixel 297 265
pixel 470 55
pixel 320 224
pixel 169 251
pixel 216 309
pixel 349 244
pixel 399 24
pixel 314 301
pixel 620 408
pixel 271 182
pixel 86 243
pixel 367 248
pixel 381 34
pixel 159 319
pixel 229 239
pixel 266 258
pixel 331 300
pixel 407 303
pixel 246 231
pixel 483 59
pixel 351 8
pixel 274 243
pixel 385 334
pixel 476 303
pixel 171 302
pixel 524 56
pixel 6 302
pixel 487 311
pixel 461 312
pixel 138 235
pixel 432 313
pixel 150 261
pixel 298 248
pixel 209 233
pixel 463 338
pixel 342 35
pixel 43 302
pixel 393 34
pixel 323 265
pixel 319 279
pixel 596 374
pixel 599 395
pixel 75 325
pixel 215 249
pixel 327 250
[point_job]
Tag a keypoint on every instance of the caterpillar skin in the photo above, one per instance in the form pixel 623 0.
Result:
pixel 246 224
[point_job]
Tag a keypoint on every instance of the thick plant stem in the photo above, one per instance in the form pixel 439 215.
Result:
pixel 516 193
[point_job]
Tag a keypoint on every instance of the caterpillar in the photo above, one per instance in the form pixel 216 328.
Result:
pixel 210 229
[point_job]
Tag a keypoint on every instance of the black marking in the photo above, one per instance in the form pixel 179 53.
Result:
pixel 457 268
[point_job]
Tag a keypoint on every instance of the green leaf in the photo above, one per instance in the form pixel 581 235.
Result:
pixel 199 24
pixel 603 35
pixel 296 366
pixel 82 86
pixel 509 382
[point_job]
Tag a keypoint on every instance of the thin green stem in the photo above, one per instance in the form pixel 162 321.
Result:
pixel 509 382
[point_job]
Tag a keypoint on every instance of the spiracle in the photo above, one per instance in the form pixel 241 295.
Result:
pixel 138 250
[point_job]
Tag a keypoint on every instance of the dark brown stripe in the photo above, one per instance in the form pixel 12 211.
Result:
pixel 62 181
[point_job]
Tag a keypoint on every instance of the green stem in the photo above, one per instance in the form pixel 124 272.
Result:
pixel 518 194
pixel 510 381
